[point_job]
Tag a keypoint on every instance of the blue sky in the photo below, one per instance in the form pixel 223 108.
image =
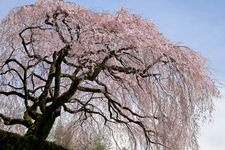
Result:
pixel 199 24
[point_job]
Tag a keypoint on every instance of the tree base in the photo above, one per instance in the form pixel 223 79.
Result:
pixel 12 141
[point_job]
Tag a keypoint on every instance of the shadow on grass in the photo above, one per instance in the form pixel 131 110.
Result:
pixel 12 141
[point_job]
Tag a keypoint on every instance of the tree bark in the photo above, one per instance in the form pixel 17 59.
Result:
pixel 43 125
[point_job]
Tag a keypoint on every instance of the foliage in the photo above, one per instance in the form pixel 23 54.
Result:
pixel 117 74
pixel 12 141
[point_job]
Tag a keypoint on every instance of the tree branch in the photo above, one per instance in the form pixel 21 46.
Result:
pixel 9 121
pixel 12 93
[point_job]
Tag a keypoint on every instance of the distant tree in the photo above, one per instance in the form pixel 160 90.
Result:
pixel 115 73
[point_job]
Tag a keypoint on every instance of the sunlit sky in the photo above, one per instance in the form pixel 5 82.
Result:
pixel 199 24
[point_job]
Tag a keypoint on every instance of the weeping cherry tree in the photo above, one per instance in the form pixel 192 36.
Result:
pixel 114 72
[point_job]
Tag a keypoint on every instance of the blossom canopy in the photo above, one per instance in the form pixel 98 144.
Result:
pixel 115 72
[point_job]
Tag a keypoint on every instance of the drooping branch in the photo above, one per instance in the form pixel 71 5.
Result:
pixel 10 121
pixel 104 69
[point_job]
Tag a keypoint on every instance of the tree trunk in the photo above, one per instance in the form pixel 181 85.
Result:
pixel 42 126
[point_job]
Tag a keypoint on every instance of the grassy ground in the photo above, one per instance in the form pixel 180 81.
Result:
pixel 12 141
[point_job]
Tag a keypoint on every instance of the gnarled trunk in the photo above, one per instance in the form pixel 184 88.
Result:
pixel 42 125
